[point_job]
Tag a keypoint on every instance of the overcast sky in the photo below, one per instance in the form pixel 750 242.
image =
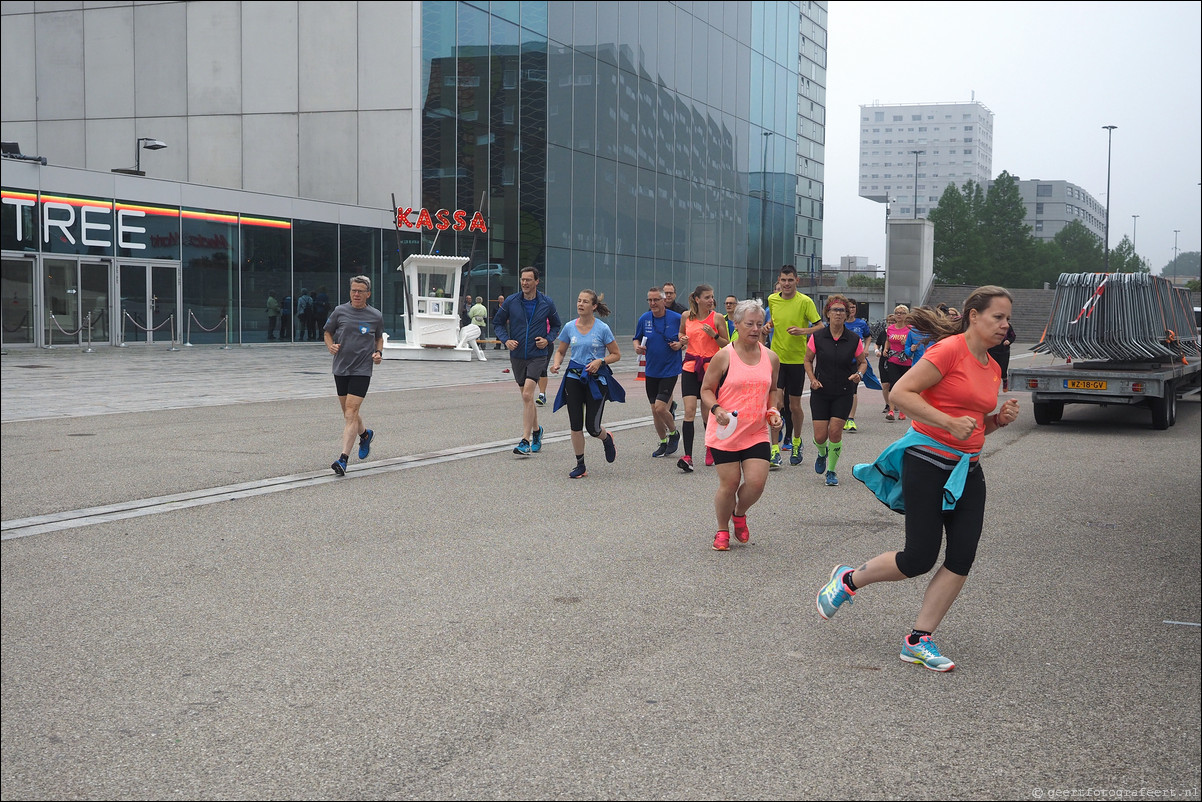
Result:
pixel 1053 74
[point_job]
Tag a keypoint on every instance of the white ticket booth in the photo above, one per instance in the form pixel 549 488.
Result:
pixel 432 299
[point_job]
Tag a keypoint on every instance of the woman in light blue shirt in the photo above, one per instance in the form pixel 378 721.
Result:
pixel 588 382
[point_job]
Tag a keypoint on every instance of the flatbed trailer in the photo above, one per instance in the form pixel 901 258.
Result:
pixel 1155 385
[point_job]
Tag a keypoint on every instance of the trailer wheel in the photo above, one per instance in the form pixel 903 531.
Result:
pixel 1047 411
pixel 1164 409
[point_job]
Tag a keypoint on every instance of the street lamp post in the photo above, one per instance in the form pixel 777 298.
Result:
pixel 1106 244
pixel 916 153
pixel 1176 231
pixel 1134 223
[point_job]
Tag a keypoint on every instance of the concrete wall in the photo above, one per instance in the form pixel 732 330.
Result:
pixel 910 260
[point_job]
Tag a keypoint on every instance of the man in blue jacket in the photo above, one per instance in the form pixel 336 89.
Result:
pixel 527 323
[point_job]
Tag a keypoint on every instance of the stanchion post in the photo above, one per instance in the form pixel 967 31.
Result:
pixel 50 333
pixel 188 342
pixel 171 322
pixel 226 347
pixel 89 349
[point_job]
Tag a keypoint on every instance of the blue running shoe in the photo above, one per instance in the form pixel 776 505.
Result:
pixel 673 442
pixel 774 460
pixel 794 458
pixel 831 479
pixel 578 472
pixel 611 451
pixel 522 448
pixel 834 593
pixel 926 653
pixel 820 464
pixel 537 445
pixel 662 451
pixel 339 466
pixel 786 446
pixel 365 443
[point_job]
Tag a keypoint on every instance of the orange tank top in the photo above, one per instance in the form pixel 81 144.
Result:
pixel 700 344
pixel 746 389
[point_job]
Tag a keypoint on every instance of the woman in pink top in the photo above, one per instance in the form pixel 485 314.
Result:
pixel 741 378
pixel 897 361
pixel 704 333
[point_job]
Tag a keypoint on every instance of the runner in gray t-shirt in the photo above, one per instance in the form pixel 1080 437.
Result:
pixel 354 334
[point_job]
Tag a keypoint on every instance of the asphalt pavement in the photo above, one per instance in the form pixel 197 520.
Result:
pixel 195 607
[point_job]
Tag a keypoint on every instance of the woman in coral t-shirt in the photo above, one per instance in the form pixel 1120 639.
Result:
pixel 949 394
pixel 741 378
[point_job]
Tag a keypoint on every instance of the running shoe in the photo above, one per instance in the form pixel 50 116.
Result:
pixel 611 451
pixel 742 533
pixel 339 466
pixel 901 415
pixel 850 426
pixel 774 460
pixel 673 442
pixel 795 457
pixel 540 400
pixel 537 444
pixel 834 593
pixel 820 464
pixel 722 541
pixel 889 416
pixel 786 446
pixel 578 472
pixel 886 409
pixel 522 448
pixel 925 652
pixel 709 457
pixel 365 443
pixel 685 463
pixel 662 451
pixel 831 479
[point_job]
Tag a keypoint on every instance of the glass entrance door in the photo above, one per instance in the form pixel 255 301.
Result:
pixel 60 295
pixel 16 293
pixel 150 303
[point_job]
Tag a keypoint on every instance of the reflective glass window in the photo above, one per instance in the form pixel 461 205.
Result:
pixel 213 286
pixel 266 256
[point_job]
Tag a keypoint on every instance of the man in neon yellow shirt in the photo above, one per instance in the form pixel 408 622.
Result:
pixel 794 317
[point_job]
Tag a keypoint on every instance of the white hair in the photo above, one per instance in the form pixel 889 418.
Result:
pixel 745 306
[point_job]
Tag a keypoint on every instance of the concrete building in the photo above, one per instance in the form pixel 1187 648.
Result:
pixel 1052 205
pixel 954 143
pixel 612 145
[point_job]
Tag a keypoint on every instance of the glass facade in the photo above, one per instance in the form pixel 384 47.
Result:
pixel 140 273
pixel 617 145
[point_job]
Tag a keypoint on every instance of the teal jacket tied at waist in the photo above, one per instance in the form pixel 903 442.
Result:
pixel 600 385
pixel 884 477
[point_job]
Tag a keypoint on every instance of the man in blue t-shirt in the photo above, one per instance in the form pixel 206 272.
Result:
pixel 658 336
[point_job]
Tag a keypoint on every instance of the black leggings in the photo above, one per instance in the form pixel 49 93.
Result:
pixel 922 484
pixel 582 407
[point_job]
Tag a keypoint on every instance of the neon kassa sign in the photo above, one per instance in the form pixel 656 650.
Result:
pixel 441 220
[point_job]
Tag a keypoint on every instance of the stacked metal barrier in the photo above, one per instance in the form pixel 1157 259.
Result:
pixel 1124 317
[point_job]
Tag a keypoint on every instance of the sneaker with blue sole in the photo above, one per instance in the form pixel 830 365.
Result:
pixel 925 653
pixel 339 466
pixel 365 443
pixel 522 448
pixel 662 451
pixel 834 594
pixel 541 400
pixel 831 479
pixel 536 445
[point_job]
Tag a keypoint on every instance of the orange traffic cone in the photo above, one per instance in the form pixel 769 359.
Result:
pixel 642 368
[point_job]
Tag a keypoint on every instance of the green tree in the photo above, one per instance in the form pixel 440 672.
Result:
pixel 1186 264
pixel 1082 250
pixel 1008 241
pixel 959 250
pixel 1124 259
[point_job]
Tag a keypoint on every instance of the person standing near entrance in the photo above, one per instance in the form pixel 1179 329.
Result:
pixel 527 322
pixel 794 317
pixel 273 314
pixel 354 334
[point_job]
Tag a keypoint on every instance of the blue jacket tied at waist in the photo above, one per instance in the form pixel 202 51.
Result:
pixel 601 384
pixel 884 477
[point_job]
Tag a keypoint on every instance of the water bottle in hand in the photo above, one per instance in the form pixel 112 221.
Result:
pixel 729 429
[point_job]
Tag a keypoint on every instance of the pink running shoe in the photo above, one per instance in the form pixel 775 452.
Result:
pixel 709 458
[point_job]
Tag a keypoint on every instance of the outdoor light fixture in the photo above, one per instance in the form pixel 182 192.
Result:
pixel 150 143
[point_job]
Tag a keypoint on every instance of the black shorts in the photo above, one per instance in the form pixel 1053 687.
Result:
pixel 825 407
pixel 792 378
pixel 660 389
pixel 352 385
pixel 528 369
pixel 758 451
pixel 690 385
pixel 893 372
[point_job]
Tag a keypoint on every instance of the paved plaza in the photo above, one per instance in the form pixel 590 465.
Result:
pixel 195 607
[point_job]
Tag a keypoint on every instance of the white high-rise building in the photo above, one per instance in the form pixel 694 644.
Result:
pixel 910 152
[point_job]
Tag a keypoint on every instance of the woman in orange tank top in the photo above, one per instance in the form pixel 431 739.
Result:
pixel 704 333
pixel 741 378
